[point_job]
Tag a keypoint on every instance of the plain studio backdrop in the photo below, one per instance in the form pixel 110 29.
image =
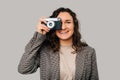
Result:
pixel 100 22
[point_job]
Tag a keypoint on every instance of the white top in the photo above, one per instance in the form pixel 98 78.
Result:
pixel 67 63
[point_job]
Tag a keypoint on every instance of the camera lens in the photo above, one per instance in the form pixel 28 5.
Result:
pixel 50 24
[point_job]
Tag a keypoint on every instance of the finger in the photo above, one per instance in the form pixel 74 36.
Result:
pixel 42 20
pixel 42 28
pixel 45 28
pixel 44 32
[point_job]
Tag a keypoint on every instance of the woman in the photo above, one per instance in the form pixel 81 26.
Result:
pixel 60 54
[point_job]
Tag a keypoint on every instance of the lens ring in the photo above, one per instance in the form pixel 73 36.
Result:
pixel 50 24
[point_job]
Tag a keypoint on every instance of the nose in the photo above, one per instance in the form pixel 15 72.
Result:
pixel 63 26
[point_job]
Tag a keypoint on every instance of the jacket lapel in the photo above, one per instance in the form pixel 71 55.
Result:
pixel 80 58
pixel 55 68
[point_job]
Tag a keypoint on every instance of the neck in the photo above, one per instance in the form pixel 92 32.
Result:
pixel 66 42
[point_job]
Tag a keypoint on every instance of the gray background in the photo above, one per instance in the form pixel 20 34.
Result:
pixel 99 27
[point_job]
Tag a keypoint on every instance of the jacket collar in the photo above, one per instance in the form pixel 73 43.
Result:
pixel 80 59
pixel 55 66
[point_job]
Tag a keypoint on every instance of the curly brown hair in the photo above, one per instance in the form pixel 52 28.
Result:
pixel 52 41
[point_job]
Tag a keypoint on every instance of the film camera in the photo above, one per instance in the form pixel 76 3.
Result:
pixel 53 23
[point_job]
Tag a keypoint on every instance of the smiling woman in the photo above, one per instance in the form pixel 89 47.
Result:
pixel 60 53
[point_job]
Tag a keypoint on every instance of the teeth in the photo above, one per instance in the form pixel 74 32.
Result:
pixel 63 32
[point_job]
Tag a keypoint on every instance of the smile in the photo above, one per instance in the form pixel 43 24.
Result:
pixel 63 32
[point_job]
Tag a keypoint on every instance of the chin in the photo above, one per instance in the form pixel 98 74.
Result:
pixel 65 38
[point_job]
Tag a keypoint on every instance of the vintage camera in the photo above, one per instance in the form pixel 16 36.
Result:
pixel 53 23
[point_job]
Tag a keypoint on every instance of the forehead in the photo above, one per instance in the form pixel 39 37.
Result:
pixel 65 16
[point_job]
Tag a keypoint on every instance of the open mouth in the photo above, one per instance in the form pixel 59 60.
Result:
pixel 63 32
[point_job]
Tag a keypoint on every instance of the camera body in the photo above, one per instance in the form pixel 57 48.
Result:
pixel 53 23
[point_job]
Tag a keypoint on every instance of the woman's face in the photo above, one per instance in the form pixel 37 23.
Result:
pixel 67 26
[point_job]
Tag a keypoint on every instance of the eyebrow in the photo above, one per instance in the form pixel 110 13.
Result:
pixel 68 20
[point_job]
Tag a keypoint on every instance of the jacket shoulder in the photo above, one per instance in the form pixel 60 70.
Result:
pixel 88 50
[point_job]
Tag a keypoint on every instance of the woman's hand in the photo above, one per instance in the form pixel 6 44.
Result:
pixel 41 27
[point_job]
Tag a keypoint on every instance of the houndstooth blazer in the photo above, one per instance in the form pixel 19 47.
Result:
pixel 37 56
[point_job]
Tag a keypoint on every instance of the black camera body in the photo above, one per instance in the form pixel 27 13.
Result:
pixel 53 23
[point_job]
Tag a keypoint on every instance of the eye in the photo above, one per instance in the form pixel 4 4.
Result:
pixel 68 22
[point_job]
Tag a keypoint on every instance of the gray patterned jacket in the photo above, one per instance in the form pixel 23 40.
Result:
pixel 35 56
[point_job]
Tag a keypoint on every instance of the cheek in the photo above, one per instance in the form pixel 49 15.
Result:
pixel 71 32
pixel 57 32
pixel 71 29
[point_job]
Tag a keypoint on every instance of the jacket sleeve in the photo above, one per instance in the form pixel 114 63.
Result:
pixel 94 69
pixel 30 59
